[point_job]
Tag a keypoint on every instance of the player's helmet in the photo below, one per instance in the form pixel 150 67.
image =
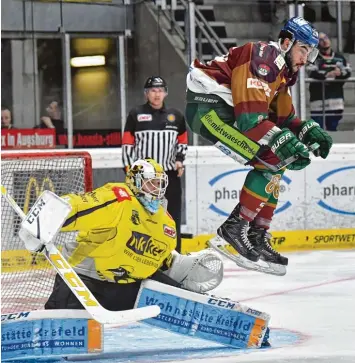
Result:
pixel 148 181
pixel 155 81
pixel 300 30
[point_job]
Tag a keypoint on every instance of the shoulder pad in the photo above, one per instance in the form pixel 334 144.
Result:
pixel 266 62
pixel 169 215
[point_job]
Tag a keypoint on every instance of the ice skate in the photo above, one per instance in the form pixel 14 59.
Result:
pixel 253 248
pixel 232 241
pixel 235 231
pixel 260 239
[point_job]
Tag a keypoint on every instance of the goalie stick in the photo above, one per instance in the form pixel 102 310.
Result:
pixel 79 289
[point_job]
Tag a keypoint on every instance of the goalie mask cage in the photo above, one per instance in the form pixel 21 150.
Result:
pixel 27 278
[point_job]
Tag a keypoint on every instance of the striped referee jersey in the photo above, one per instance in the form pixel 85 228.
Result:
pixel 157 134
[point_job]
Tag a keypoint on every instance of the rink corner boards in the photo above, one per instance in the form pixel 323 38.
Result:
pixel 286 241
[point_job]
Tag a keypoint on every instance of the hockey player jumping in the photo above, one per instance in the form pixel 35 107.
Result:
pixel 241 101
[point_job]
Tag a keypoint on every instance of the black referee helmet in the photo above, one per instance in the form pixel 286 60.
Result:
pixel 155 81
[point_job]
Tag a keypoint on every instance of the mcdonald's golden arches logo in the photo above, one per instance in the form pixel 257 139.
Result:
pixel 34 185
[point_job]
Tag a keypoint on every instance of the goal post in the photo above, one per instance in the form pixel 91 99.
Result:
pixel 27 278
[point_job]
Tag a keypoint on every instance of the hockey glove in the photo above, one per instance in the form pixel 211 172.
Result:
pixel 310 132
pixel 285 144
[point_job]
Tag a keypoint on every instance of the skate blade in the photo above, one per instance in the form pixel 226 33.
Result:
pixel 225 249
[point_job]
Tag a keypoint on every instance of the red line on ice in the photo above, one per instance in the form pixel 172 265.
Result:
pixel 299 288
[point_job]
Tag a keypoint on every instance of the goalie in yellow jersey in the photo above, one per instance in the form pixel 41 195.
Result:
pixel 126 236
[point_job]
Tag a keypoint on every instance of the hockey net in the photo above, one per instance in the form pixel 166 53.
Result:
pixel 27 279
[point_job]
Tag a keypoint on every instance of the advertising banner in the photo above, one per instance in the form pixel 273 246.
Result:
pixel 49 338
pixel 322 196
pixel 330 195
pixel 15 139
pixel 96 138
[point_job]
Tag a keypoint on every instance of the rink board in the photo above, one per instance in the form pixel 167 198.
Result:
pixel 286 241
pixel 283 241
pixel 145 344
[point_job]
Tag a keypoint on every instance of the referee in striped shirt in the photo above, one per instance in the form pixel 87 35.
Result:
pixel 156 131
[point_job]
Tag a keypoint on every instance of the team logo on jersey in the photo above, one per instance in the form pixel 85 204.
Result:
pixel 142 117
pixel 135 218
pixel 169 231
pixel 144 245
pixel 117 274
pixel 121 194
pixel 263 69
pixel 279 61
pixel 171 117
pixel 256 83
pixel 274 186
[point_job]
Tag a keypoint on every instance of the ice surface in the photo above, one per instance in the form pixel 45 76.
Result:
pixel 312 313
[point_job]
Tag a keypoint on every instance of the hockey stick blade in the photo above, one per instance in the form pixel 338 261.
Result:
pixel 79 289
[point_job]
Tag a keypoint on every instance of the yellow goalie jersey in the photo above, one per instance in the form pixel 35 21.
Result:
pixel 119 240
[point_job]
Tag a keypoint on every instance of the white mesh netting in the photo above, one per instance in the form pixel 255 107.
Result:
pixel 27 279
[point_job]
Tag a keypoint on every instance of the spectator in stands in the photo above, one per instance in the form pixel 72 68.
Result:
pixel 53 120
pixel 328 96
pixel 6 119
pixel 156 131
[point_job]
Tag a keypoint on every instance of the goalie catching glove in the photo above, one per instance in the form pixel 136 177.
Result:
pixel 198 271
pixel 285 145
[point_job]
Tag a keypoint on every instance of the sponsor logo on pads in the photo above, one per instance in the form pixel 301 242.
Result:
pixel 15 316
pixel 221 303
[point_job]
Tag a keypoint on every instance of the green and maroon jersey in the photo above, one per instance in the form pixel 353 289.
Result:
pixel 254 80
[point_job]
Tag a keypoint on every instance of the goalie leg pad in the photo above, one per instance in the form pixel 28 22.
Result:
pixel 203 316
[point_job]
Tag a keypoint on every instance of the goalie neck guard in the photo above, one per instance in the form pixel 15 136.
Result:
pixel 148 182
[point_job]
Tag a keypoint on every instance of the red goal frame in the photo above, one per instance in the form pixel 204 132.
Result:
pixel 57 154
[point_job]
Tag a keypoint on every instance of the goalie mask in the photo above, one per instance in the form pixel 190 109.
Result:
pixel 148 182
